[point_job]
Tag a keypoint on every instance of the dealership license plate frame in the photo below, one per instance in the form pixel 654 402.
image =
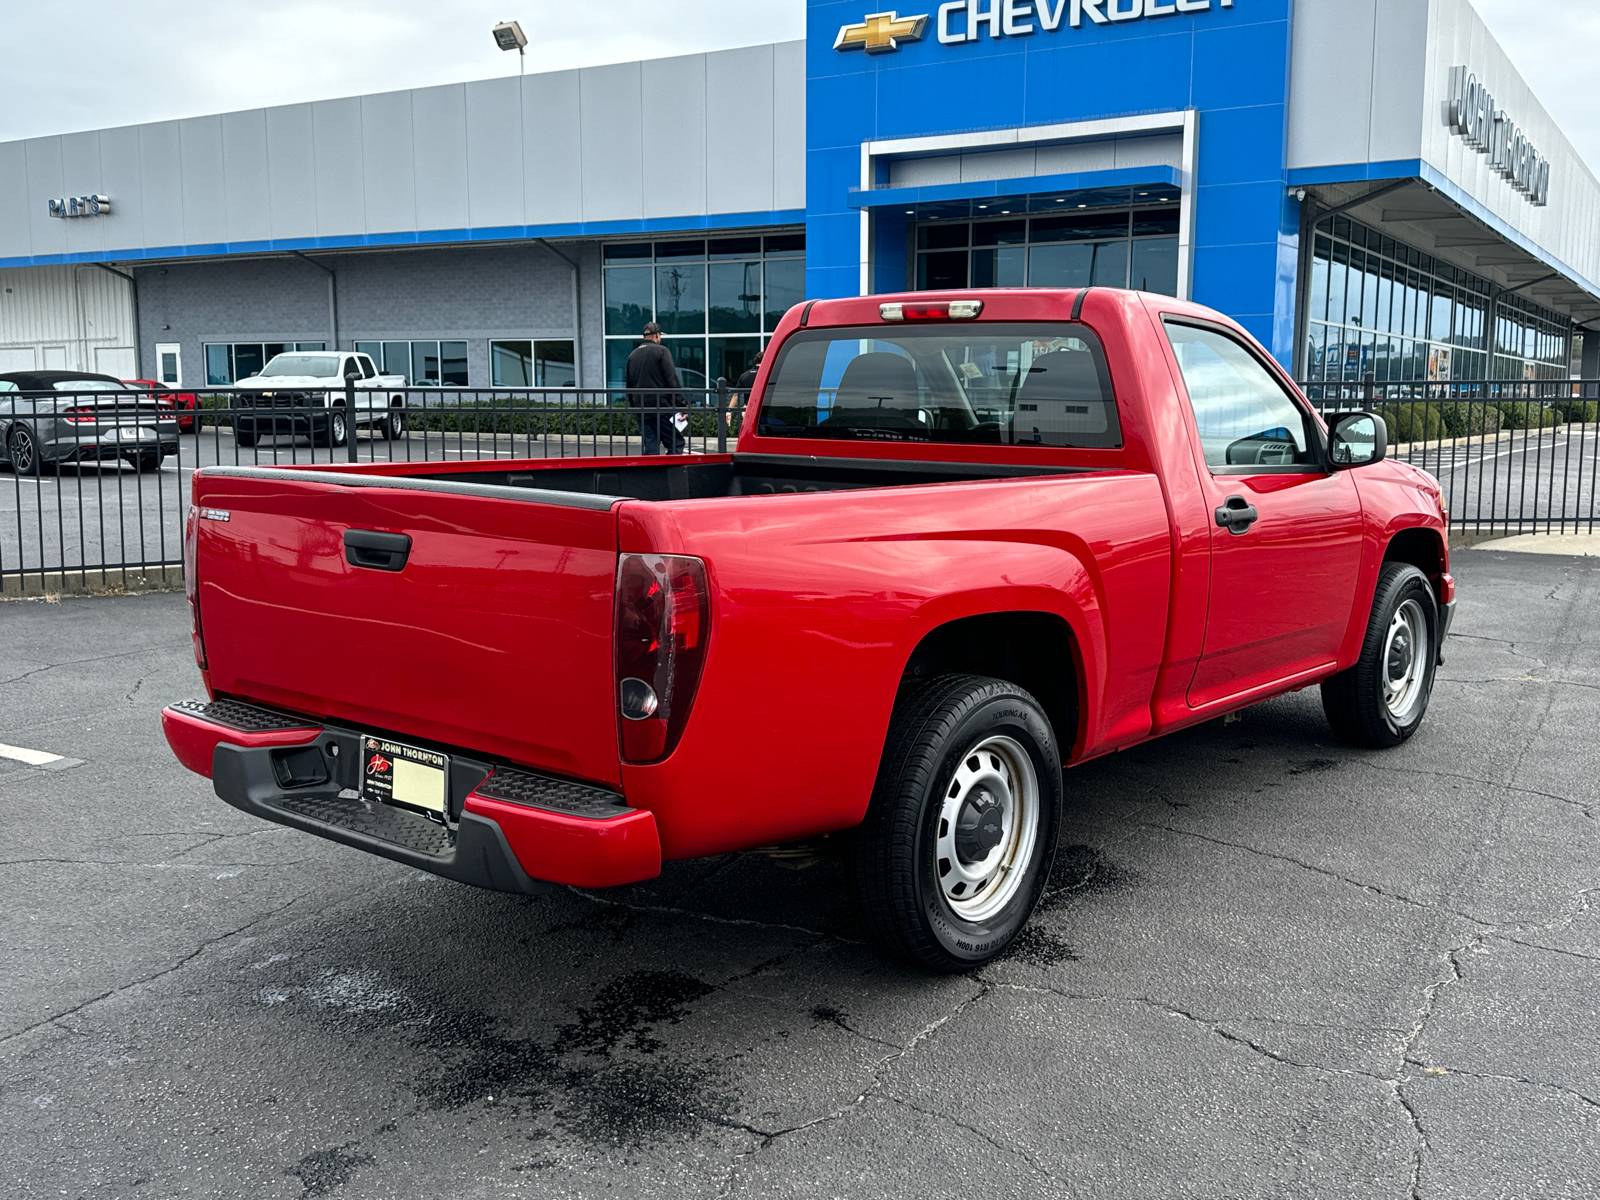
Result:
pixel 405 776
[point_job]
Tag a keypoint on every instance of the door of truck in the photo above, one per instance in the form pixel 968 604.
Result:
pixel 1287 533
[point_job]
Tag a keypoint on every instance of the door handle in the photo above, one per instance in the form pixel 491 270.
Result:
pixel 378 551
pixel 1237 515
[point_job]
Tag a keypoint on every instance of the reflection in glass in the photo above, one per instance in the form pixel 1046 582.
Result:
pixel 786 287
pixel 1155 266
pixel 735 297
pixel 1004 266
pixel 629 300
pixel 554 364
pixel 681 298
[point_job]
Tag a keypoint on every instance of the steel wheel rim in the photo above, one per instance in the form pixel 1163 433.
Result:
pixel 336 431
pixel 1404 662
pixel 994 784
pixel 21 451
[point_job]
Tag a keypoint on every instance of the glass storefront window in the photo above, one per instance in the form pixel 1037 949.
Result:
pixel 717 301
pixel 229 362
pixel 1379 308
pixel 532 364
pixel 1118 247
pixel 735 297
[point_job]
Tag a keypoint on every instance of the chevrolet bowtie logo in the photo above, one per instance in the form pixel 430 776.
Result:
pixel 880 33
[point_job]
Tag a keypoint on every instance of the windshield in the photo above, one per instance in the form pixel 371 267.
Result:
pixel 1034 385
pixel 318 366
pixel 90 385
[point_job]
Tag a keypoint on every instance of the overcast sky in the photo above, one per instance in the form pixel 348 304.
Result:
pixel 74 66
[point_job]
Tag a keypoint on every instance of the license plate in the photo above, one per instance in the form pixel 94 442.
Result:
pixel 395 773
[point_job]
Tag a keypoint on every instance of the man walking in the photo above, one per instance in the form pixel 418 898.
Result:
pixel 651 366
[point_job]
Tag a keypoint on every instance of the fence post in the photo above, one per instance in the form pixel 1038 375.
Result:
pixel 349 416
pixel 722 415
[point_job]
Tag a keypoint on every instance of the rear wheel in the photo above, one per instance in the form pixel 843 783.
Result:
pixel 961 831
pixel 1380 702
pixel 146 462
pixel 393 427
pixel 23 450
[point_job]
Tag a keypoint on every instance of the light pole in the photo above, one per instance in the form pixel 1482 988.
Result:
pixel 508 35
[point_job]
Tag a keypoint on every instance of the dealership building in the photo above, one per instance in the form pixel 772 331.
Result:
pixel 1369 186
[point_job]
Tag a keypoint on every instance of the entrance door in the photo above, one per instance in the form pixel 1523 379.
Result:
pixel 169 364
pixel 1284 566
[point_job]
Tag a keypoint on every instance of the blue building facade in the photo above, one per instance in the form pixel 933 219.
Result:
pixel 1223 67
pixel 1368 186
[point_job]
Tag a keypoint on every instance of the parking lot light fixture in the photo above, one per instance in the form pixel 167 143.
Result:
pixel 508 35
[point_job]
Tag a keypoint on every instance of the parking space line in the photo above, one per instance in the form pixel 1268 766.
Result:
pixel 38 758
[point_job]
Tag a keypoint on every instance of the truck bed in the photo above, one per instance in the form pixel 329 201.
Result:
pixel 699 478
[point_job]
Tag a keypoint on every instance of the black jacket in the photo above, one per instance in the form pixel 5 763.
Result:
pixel 651 366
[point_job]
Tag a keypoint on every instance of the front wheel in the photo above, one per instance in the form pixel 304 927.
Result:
pixel 146 462
pixel 24 453
pixel 961 832
pixel 335 431
pixel 1380 702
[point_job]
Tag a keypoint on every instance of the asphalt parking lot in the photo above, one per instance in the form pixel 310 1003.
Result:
pixel 1268 966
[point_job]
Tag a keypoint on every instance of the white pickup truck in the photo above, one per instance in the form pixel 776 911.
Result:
pixel 303 392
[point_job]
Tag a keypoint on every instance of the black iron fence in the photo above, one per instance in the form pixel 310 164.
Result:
pixel 99 481
pixel 1512 456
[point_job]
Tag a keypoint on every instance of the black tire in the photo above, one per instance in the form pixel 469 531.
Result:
pixel 896 864
pixel 23 451
pixel 335 429
pixel 393 426
pixel 244 439
pixel 1363 704
pixel 146 462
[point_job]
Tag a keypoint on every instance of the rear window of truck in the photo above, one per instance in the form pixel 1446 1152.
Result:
pixel 1042 384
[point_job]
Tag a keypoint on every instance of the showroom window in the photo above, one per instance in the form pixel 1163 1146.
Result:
pixel 1378 307
pixel 229 362
pixel 1070 246
pixel 424 364
pixel 542 363
pixel 717 301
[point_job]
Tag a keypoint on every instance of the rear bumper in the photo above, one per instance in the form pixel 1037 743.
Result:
pixel 513 831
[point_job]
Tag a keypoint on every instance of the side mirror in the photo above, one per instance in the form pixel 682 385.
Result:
pixel 1357 439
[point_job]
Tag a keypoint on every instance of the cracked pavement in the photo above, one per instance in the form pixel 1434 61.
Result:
pixel 1267 966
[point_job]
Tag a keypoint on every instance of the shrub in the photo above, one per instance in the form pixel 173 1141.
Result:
pixel 1578 410
pixel 1526 414
pixel 1412 421
pixel 1470 418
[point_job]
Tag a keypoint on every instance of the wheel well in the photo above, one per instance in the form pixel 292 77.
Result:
pixel 1033 650
pixel 1420 548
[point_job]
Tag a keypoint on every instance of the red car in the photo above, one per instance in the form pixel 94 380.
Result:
pixel 966 540
pixel 180 402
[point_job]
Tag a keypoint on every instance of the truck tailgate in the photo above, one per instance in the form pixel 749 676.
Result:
pixel 494 636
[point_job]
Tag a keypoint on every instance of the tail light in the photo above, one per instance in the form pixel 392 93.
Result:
pixel 931 310
pixel 81 416
pixel 191 582
pixel 663 618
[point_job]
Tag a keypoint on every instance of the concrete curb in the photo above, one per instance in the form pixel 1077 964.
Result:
pixel 112 581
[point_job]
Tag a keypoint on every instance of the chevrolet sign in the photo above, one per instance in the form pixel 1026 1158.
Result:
pixel 881 32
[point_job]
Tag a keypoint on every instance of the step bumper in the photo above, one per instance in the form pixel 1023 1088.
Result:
pixel 516 831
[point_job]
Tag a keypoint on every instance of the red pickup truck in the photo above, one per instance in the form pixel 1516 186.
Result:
pixel 965 540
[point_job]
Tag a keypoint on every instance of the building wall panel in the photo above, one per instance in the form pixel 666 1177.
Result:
pixel 246 186
pixel 161 183
pixel 439 132
pixel 789 125
pixel 341 194
pixel 612 113
pixel 552 156
pixel 80 174
pixel 291 163
pixel 740 136
pixel 388 162
pixel 42 168
pixel 494 152
pixel 205 219
pixel 673 145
